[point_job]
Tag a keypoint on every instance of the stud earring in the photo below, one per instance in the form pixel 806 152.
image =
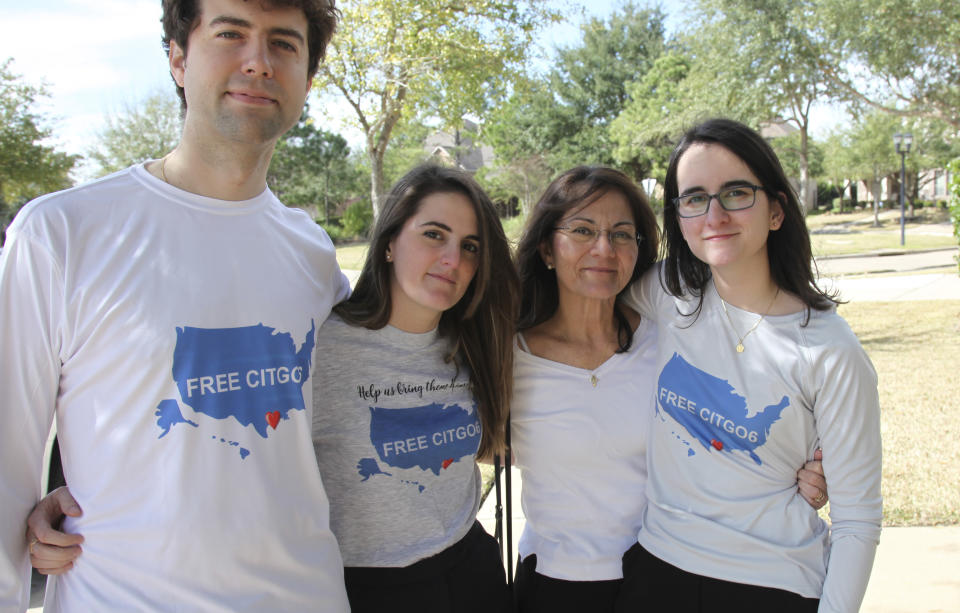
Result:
pixel 389 257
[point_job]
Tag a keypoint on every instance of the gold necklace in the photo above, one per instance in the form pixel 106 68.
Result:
pixel 163 169
pixel 754 327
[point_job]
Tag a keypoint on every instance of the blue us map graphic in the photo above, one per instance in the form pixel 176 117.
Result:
pixel 712 411
pixel 252 374
pixel 429 438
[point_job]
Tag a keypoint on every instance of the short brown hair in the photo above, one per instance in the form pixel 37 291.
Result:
pixel 180 17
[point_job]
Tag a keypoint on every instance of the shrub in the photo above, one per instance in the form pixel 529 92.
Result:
pixel 333 229
pixel 954 167
pixel 357 219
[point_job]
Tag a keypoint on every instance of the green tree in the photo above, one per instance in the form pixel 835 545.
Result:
pixel 314 169
pixel 760 59
pixel 894 55
pixel 144 131
pixel 28 167
pixel 658 110
pixel 954 168
pixel 521 178
pixel 393 60
pixel 564 117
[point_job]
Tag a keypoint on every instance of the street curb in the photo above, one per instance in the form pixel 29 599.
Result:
pixel 884 252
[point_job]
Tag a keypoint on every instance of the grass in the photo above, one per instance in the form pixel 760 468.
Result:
pixel 913 346
pixel 351 257
pixel 846 233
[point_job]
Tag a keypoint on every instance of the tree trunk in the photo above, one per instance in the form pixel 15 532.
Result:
pixel 876 198
pixel 805 173
pixel 376 182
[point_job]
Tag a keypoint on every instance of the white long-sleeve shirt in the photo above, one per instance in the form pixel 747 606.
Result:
pixel 729 433
pixel 172 337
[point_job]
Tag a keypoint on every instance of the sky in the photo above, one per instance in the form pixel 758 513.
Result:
pixel 98 57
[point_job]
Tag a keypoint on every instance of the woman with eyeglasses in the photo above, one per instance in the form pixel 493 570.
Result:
pixel 583 390
pixel 754 371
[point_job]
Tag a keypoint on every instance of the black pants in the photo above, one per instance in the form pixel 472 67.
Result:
pixel 536 593
pixel 652 585
pixel 466 577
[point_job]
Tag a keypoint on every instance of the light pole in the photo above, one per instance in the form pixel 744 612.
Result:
pixel 902 143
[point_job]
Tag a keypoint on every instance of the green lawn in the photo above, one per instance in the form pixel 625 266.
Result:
pixel 913 346
pixel 840 234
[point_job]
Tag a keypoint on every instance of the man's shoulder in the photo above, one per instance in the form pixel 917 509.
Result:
pixel 81 195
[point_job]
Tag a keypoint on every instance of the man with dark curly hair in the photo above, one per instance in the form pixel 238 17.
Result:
pixel 166 316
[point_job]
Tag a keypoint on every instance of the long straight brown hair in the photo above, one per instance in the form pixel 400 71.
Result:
pixel 480 326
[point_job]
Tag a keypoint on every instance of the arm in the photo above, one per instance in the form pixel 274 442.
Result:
pixel 847 411
pixel 53 552
pixel 30 297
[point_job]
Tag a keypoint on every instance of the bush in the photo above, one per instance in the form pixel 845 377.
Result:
pixel 954 167
pixel 333 229
pixel 357 219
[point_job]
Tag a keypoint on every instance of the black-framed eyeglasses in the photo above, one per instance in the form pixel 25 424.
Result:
pixel 582 232
pixel 734 198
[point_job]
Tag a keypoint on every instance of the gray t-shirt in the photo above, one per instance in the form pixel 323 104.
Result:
pixel 396 432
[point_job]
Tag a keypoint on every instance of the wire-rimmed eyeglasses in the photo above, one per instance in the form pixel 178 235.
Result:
pixel 588 234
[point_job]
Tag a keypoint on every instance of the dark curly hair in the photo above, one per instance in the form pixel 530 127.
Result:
pixel 180 17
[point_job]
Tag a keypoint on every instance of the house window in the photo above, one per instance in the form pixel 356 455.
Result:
pixel 939 183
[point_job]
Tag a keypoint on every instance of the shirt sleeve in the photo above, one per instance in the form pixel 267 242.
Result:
pixel 30 292
pixel 847 411
pixel 644 294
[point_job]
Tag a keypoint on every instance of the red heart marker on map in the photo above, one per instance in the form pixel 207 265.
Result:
pixel 718 445
pixel 447 462
pixel 273 418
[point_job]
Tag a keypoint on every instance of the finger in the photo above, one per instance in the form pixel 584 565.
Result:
pixel 54 571
pixel 51 556
pixel 65 502
pixel 815 479
pixel 818 454
pixel 47 515
pixel 809 492
pixel 815 466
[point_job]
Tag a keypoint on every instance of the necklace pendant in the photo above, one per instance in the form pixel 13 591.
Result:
pixel 593 380
pixel 739 347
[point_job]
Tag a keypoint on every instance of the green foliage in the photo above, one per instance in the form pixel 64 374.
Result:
pixel 954 169
pixel 564 118
pixel 146 131
pixel 314 169
pixel 333 230
pixel 521 178
pixel 393 60
pixel 658 110
pixel 28 168
pixel 895 55
pixel 759 60
pixel 357 219
pixel 789 150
